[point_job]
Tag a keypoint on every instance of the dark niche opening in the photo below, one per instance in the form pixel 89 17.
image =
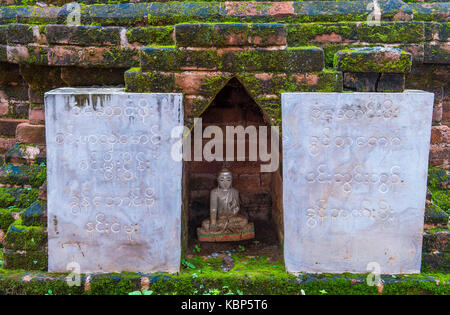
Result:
pixel 260 192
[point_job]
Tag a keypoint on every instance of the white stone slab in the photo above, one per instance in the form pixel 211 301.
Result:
pixel 354 180
pixel 114 192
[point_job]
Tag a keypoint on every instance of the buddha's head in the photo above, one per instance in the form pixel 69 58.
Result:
pixel 225 178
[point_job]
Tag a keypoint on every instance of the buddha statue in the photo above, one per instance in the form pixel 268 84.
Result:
pixel 225 222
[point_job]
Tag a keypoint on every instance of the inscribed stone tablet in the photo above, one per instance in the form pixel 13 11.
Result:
pixel 354 180
pixel 114 192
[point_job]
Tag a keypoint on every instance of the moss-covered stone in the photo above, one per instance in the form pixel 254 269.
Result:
pixel 6 218
pixel 438 241
pixel 149 82
pixel 158 36
pixel 437 53
pixel 172 59
pixel 439 183
pixel 28 238
pixel 373 59
pixel 392 32
pixel 27 260
pixel 34 215
pixel 194 35
pixel 83 35
pixel 33 175
pixel 78 76
pixel 292 60
pixel 435 216
pixel 20 34
pixel 305 33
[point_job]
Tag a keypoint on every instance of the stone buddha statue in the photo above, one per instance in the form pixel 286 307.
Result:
pixel 225 222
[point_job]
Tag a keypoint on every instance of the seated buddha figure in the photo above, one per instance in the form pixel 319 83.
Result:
pixel 225 218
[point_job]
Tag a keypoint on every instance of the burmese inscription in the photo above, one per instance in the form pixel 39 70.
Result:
pixel 114 192
pixel 354 180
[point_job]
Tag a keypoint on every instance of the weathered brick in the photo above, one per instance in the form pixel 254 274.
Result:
pixel 299 60
pixel 65 55
pixel 373 59
pixel 274 83
pixel 437 53
pixel 231 34
pixel 200 82
pixel 440 134
pixel 436 31
pixel 149 82
pixel 110 57
pixel 8 126
pixel 440 156
pixel 20 34
pixel 36 115
pixel 170 59
pixel 118 14
pixel 194 35
pixel 361 81
pixel 83 35
pixel 391 82
pixel 264 35
pixel 6 144
pixel 78 76
pixel 152 35
pixel 27 133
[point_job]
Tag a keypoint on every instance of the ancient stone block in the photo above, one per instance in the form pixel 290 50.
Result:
pixel 151 82
pixel 435 216
pixel 437 53
pixel 264 35
pixel 8 126
pixel 290 60
pixel 373 59
pixel 152 35
pixel 20 34
pixel 83 35
pixel 110 170
pixel 358 195
pixel 374 82
pixel 27 133
pixel 391 82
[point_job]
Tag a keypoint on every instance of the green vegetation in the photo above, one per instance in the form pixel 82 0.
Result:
pixel 438 181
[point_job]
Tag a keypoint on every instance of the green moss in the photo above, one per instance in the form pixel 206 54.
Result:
pixel 6 198
pixel 28 238
pixel 151 35
pixel 149 82
pixel 33 175
pixel 438 179
pixel 369 61
pixel 6 218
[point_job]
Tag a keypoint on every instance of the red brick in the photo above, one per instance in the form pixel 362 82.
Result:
pixel 6 144
pixel 191 82
pixel 27 133
pixel 440 156
pixel 440 134
pixel 8 126
pixel 36 115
